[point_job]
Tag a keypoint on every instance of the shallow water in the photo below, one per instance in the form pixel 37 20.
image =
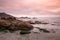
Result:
pixel 53 23
pixel 31 36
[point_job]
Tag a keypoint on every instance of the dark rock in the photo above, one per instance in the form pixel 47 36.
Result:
pixel 37 22
pixel 31 22
pixel 10 23
pixel 25 32
pixel 4 24
pixel 43 30
pixel 46 31
pixel 5 16
pixel 24 26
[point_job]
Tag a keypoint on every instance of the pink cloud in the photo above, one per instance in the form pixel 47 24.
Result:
pixel 31 7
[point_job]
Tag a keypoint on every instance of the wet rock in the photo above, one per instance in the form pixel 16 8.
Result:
pixel 4 24
pixel 25 32
pixel 10 23
pixel 43 30
pixel 46 31
pixel 24 26
pixel 31 22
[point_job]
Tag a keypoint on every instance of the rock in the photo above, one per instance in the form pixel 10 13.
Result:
pixel 34 22
pixel 43 30
pixel 24 26
pixel 5 16
pixel 15 25
pixel 37 22
pixel 4 24
pixel 31 22
pixel 25 32
pixel 10 23
pixel 44 23
pixel 46 31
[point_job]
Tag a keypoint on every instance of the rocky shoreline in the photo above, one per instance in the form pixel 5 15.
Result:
pixel 8 22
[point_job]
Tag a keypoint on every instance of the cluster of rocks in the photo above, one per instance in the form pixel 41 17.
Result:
pixel 45 30
pixel 37 22
pixel 8 22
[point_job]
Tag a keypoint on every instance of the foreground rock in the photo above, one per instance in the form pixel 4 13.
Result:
pixel 8 22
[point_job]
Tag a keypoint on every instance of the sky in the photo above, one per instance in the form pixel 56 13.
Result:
pixel 30 7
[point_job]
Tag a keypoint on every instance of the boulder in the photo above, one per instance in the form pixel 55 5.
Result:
pixel 24 26
pixel 4 23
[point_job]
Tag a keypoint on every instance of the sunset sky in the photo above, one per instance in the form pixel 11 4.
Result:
pixel 31 7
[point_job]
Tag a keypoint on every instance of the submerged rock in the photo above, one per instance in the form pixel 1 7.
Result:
pixel 43 30
pixel 46 31
pixel 25 32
